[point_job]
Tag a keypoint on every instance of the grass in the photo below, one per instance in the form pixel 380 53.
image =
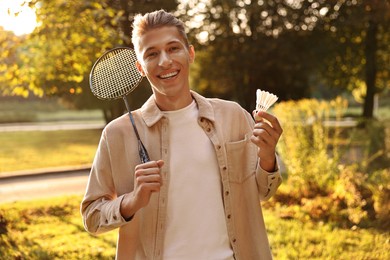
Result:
pixel 17 110
pixel 293 239
pixel 45 149
pixel 52 229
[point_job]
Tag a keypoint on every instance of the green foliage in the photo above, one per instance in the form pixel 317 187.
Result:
pixel 290 48
pixel 55 60
pixel 9 60
pixel 323 183
pixel 346 66
pixel 60 52
pixel 305 142
pixel 379 184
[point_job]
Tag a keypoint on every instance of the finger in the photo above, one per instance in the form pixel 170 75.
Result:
pixel 266 131
pixel 261 132
pixel 260 142
pixel 272 119
pixel 146 188
pixel 155 178
pixel 148 165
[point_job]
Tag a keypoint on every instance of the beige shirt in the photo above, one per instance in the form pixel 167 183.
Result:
pixel 244 183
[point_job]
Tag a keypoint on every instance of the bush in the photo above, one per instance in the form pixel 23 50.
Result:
pixel 305 145
pixel 322 184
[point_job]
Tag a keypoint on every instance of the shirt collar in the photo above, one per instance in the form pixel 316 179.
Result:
pixel 152 114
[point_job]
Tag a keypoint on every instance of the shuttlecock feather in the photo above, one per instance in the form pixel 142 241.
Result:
pixel 264 100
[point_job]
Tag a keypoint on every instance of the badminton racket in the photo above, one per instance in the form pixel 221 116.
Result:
pixel 115 75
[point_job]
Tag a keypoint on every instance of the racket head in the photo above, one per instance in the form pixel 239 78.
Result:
pixel 115 74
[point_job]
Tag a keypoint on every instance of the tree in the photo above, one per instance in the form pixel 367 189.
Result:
pixel 284 45
pixel 361 48
pixel 256 44
pixel 55 60
pixel 9 63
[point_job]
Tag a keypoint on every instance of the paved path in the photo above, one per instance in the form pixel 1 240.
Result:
pixel 29 185
pixel 51 126
pixel 43 185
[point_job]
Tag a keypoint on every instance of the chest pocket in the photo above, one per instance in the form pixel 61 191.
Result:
pixel 241 159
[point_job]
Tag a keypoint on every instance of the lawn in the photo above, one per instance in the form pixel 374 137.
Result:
pixel 52 229
pixel 17 110
pixel 45 149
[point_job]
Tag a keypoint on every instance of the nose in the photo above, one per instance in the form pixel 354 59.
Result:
pixel 165 60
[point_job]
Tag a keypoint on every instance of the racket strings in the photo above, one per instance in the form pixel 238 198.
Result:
pixel 115 75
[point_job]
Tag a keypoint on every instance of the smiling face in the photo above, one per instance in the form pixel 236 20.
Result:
pixel 165 60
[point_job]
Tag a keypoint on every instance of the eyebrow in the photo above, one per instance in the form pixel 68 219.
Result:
pixel 169 43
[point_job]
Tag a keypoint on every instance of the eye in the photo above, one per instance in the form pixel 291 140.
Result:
pixel 174 48
pixel 151 54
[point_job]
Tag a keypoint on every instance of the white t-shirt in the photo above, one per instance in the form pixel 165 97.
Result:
pixel 196 227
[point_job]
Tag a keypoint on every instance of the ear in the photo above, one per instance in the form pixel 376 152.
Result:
pixel 191 52
pixel 140 69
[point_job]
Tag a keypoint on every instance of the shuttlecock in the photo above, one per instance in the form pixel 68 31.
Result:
pixel 264 100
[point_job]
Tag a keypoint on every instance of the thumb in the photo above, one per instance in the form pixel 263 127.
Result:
pixel 160 163
pixel 256 116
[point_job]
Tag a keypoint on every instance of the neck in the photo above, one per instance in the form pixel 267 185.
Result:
pixel 171 103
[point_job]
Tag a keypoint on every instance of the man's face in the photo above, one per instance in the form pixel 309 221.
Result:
pixel 165 61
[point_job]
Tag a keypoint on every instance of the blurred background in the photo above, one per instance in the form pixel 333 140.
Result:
pixel 327 61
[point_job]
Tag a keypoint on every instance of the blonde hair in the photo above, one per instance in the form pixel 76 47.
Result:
pixel 149 21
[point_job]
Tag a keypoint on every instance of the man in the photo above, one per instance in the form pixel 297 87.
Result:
pixel 199 196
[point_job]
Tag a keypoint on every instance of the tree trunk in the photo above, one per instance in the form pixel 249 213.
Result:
pixel 126 23
pixel 371 47
pixel 114 110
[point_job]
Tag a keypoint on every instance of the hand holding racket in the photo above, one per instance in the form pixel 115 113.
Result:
pixel 114 75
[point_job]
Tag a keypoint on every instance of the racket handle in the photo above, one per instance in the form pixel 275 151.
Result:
pixel 143 154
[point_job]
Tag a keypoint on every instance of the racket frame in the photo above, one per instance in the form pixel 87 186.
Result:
pixel 143 154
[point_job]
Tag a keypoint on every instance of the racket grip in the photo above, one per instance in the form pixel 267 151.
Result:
pixel 143 153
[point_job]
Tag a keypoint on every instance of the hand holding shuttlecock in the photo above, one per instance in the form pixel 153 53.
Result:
pixel 264 100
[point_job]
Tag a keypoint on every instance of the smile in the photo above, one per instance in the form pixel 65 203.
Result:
pixel 168 75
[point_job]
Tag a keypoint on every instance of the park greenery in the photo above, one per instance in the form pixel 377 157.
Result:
pixel 315 55
pixel 334 202
pixel 293 48
pixel 52 229
pixel 62 148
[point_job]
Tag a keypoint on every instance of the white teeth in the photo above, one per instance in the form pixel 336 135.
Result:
pixel 169 75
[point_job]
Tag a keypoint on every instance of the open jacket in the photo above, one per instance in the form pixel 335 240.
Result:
pixel 244 183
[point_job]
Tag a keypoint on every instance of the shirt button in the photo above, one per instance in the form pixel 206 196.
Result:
pixel 224 168
pixel 218 147
pixel 229 216
pixel 227 193
pixel 234 240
